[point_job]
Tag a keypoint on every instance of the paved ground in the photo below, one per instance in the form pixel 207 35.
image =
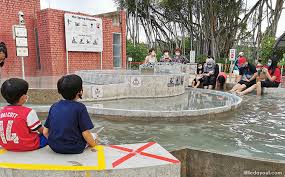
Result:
pixel 136 160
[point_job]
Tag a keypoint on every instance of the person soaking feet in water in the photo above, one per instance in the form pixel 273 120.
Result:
pixel 269 76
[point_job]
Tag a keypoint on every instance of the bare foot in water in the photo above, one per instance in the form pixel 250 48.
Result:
pixel 240 93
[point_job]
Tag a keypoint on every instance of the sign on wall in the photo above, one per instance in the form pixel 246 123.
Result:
pixel 22 51
pixel 136 81
pixel 83 33
pixel 192 56
pixel 21 36
pixel 97 91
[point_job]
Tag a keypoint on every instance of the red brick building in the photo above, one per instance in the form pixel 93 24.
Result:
pixel 46 40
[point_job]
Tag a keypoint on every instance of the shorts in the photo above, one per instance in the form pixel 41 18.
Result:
pixel 43 141
pixel 248 84
pixel 236 72
pixel 268 83
pixel 209 80
pixel 201 80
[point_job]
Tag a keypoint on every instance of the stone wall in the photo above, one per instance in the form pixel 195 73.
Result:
pixel 115 85
pixel 202 163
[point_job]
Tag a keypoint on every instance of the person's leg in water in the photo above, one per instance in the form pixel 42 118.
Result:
pixel 248 90
pixel 206 82
pixel 193 83
pixel 198 84
pixel 258 88
pixel 241 88
pixel 212 82
pixel 235 88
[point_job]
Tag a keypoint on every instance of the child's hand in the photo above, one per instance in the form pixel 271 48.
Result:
pixel 265 70
pixel 246 80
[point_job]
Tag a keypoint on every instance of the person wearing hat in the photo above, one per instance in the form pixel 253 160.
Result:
pixel 271 77
pixel 247 75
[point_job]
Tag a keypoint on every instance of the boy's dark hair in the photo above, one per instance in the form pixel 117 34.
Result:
pixel 221 80
pixel 166 51
pixel 13 89
pixel 151 50
pixel 69 86
pixel 3 49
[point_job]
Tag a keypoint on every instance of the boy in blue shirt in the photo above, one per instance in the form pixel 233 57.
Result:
pixel 68 125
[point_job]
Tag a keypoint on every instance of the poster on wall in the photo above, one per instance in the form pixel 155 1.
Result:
pixel 97 91
pixel 83 33
pixel 136 81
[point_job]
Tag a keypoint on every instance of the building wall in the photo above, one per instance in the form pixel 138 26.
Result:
pixel 51 36
pixel 9 14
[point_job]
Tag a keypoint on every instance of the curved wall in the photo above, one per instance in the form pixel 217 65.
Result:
pixel 127 84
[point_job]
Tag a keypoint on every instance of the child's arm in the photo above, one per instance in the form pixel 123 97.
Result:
pixel 45 132
pixel 225 86
pixel 217 87
pixel 89 138
pixel 85 125
pixel 40 130
pixel 33 122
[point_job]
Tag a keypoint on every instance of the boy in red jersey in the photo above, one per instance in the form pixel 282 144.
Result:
pixel 19 125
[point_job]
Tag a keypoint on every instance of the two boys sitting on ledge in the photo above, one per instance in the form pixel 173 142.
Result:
pixel 66 129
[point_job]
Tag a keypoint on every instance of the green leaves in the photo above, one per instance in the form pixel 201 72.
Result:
pixel 266 50
pixel 137 52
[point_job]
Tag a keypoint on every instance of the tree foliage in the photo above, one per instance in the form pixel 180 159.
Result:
pixel 137 52
pixel 266 47
pixel 212 26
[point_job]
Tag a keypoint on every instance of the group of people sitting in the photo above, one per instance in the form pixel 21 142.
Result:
pixel 249 78
pixel 177 58
pixel 255 78
pixel 208 76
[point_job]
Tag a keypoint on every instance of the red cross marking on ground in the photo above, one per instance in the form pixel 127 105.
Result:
pixel 133 153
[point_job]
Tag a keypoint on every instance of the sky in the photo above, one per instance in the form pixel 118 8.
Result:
pixel 93 7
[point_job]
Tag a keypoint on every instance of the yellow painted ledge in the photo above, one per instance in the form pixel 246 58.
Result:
pixel 101 164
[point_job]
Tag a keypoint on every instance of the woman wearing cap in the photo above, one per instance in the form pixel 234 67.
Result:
pixel 272 76
pixel 247 75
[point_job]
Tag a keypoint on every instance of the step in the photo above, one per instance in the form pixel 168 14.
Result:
pixel 130 160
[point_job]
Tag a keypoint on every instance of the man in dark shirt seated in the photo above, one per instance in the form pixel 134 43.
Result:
pixel 247 75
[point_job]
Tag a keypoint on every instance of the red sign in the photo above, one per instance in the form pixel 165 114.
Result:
pixel 139 151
